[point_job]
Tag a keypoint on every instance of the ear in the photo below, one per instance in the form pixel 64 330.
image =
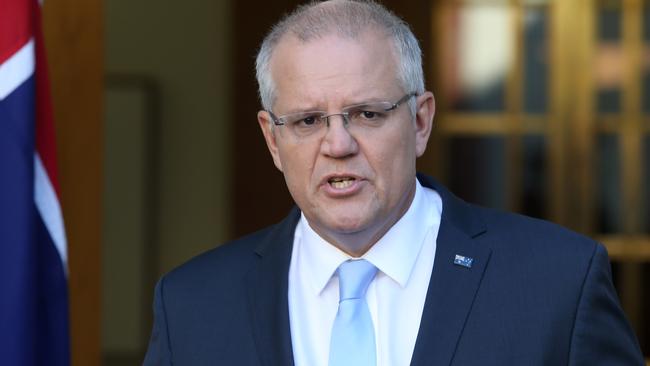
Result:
pixel 266 124
pixel 425 110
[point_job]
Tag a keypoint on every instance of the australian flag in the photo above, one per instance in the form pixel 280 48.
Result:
pixel 33 259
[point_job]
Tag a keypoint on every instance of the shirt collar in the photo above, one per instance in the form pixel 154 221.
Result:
pixel 394 254
pixel 320 257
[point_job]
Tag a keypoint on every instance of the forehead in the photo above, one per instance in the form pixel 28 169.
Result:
pixel 334 69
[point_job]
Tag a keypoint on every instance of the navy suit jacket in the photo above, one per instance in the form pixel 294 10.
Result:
pixel 536 294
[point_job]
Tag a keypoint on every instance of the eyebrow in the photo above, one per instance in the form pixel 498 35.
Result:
pixel 302 111
pixel 349 105
pixel 363 104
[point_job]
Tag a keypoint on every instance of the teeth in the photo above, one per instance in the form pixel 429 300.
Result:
pixel 340 183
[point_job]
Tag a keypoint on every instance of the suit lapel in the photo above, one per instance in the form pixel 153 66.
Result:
pixel 267 293
pixel 450 295
pixel 452 287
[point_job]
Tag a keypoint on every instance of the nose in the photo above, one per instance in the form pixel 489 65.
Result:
pixel 338 142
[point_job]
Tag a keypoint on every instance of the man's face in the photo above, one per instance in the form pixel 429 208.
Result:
pixel 348 182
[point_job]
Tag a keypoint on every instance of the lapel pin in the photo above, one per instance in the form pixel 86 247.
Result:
pixel 463 261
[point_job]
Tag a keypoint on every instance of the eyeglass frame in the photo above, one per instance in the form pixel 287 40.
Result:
pixel 278 120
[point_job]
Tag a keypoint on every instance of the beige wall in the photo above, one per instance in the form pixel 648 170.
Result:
pixel 183 49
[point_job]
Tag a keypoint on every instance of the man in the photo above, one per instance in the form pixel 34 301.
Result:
pixel 376 267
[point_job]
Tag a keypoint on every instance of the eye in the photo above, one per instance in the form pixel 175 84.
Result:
pixel 306 120
pixel 310 120
pixel 369 114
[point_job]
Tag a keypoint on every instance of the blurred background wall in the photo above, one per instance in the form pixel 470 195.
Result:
pixel 542 108
pixel 169 121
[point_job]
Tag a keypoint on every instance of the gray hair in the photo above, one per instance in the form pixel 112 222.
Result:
pixel 347 18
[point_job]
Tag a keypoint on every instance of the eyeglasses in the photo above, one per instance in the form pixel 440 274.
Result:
pixel 364 116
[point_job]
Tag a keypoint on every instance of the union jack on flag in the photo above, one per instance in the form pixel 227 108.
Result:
pixel 33 259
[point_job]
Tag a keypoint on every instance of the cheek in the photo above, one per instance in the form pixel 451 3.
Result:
pixel 401 147
pixel 391 160
pixel 297 163
pixel 397 159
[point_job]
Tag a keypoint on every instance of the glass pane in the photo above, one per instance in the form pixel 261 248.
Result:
pixel 645 213
pixel 610 60
pixel 534 179
pixel 477 54
pixel 646 58
pixel 477 170
pixel 536 2
pixel 535 60
pixel 609 187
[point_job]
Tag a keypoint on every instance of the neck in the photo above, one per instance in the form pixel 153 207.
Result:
pixel 356 244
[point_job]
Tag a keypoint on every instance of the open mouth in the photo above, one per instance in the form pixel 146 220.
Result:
pixel 341 182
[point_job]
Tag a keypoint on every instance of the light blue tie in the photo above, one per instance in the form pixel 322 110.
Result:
pixel 353 335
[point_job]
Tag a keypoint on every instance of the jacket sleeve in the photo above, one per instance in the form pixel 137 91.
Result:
pixel 159 351
pixel 601 332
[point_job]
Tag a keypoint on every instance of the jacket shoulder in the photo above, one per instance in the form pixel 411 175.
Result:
pixel 533 233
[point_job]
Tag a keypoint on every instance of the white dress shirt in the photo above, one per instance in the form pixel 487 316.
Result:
pixel 404 258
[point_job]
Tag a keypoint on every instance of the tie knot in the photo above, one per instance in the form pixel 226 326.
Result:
pixel 354 278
